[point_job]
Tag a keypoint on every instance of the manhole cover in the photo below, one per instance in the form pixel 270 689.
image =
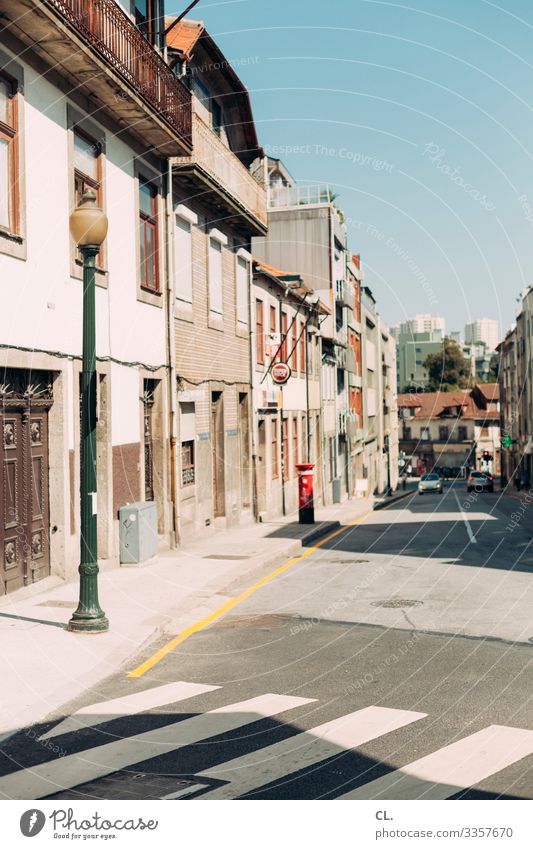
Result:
pixel 397 602
pixel 227 556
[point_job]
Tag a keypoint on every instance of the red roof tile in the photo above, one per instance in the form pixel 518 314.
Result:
pixel 184 35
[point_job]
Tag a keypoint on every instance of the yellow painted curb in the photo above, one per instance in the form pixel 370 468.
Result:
pixel 233 602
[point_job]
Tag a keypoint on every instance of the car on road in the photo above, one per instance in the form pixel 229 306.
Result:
pixel 431 482
pixel 480 482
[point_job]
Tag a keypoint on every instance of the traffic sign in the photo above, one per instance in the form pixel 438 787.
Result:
pixel 280 372
pixel 506 442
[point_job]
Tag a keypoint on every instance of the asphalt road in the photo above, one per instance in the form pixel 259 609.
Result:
pixel 393 662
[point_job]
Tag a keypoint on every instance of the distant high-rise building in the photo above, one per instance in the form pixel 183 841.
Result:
pixel 456 336
pixel 422 323
pixel 483 330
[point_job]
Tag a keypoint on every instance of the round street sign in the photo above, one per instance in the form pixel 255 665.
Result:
pixel 280 372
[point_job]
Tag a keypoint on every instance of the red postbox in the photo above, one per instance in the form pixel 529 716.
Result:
pixel 306 506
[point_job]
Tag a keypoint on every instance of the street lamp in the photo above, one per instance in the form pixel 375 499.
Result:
pixel 88 227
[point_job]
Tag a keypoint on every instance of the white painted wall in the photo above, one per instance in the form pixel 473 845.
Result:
pixel 40 303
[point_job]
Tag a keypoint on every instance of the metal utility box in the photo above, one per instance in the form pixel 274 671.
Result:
pixel 138 531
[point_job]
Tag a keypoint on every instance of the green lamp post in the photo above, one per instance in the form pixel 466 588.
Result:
pixel 88 226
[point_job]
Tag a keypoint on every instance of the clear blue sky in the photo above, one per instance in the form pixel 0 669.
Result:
pixel 420 116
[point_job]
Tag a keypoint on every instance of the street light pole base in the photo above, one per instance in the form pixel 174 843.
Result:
pixel 86 624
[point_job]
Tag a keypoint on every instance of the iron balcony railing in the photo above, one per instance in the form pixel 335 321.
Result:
pixel 114 35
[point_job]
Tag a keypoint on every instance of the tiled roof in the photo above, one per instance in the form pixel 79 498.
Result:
pixel 184 35
pixel 490 391
pixel 432 405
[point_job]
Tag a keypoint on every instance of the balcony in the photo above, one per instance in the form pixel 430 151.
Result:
pixel 344 294
pixel 224 181
pixel 285 197
pixel 97 49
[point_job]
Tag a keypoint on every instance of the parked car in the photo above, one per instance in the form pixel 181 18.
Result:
pixel 432 482
pixel 480 482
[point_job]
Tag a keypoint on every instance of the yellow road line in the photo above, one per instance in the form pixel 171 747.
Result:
pixel 229 605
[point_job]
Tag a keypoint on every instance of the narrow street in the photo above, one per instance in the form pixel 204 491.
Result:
pixel 394 661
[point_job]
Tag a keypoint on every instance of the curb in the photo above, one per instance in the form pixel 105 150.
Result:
pixel 322 530
pixel 380 505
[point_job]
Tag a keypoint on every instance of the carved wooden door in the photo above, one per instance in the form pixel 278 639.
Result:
pixel 24 508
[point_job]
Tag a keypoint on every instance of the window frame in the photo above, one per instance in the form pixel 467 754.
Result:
pixel 96 184
pixel 152 220
pixel 183 301
pixel 13 236
pixel 259 332
pixel 274 449
pixel 188 445
pixel 242 322
pixel 9 133
pixel 295 445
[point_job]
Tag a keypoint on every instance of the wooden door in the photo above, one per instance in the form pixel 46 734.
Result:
pixel 261 466
pixel 24 507
pixel 217 442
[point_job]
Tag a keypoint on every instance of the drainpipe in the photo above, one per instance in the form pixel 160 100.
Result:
pixel 308 447
pixel 281 429
pixel 171 344
pixel 254 417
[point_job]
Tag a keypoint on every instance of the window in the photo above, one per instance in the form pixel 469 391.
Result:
pixel 88 170
pixel 443 432
pixel 243 277
pixel 295 445
pixel 148 236
pixel 183 259
pixel 259 332
pixel 284 324
pixel 424 433
pixel 462 433
pixel 285 438
pixel 274 445
pixel 187 462
pixel 273 332
pixel 145 19
pixel 407 433
pixel 187 436
pixel 9 203
pixel 216 117
pixel 215 276
pixel 302 346
pixel 294 346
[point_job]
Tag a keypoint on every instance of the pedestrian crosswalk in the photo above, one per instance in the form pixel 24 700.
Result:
pixel 258 762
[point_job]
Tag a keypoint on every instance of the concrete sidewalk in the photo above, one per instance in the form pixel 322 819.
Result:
pixel 44 665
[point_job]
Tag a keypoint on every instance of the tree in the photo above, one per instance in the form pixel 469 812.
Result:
pixel 494 369
pixel 449 370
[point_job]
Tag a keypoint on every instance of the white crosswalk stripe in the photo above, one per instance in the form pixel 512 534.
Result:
pixel 72 770
pixel 452 768
pixel 129 705
pixel 436 776
pixel 304 750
